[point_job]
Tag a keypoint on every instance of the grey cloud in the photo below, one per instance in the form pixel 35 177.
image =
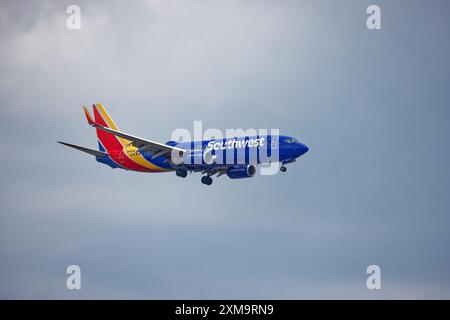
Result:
pixel 372 106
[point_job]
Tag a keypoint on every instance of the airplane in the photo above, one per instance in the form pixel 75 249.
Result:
pixel 118 149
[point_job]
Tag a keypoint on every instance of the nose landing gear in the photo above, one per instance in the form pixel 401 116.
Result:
pixel 207 180
pixel 283 169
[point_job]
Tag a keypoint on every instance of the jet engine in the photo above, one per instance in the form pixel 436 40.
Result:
pixel 241 171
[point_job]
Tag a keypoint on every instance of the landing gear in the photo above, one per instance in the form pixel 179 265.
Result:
pixel 283 169
pixel 181 173
pixel 207 180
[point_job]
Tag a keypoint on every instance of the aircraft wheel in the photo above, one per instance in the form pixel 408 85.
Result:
pixel 207 180
pixel 181 173
pixel 283 169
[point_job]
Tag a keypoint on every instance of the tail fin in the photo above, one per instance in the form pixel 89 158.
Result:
pixel 100 115
pixel 107 141
pixel 88 116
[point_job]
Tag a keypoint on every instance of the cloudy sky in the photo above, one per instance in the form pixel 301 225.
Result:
pixel 372 105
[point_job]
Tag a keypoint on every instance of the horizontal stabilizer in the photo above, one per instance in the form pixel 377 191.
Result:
pixel 90 151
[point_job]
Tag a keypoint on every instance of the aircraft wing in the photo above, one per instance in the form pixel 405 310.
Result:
pixel 87 150
pixel 159 149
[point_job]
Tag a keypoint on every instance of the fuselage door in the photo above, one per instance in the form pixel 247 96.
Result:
pixel 122 157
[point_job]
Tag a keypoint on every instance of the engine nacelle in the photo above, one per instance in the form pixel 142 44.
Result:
pixel 242 171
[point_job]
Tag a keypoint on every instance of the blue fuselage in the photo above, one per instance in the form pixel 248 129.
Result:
pixel 241 150
pixel 229 151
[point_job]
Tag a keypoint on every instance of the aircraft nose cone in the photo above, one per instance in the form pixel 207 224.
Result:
pixel 302 149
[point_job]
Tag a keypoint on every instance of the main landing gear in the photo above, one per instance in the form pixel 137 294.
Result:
pixel 283 169
pixel 181 173
pixel 207 180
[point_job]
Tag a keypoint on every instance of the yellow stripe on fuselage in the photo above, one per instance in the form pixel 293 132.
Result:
pixel 133 153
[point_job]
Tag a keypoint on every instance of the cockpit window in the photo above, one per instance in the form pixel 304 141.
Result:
pixel 290 140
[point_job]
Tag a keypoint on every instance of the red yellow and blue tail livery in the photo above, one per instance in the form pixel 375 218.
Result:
pixel 236 157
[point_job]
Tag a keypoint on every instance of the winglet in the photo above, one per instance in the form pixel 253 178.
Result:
pixel 88 116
